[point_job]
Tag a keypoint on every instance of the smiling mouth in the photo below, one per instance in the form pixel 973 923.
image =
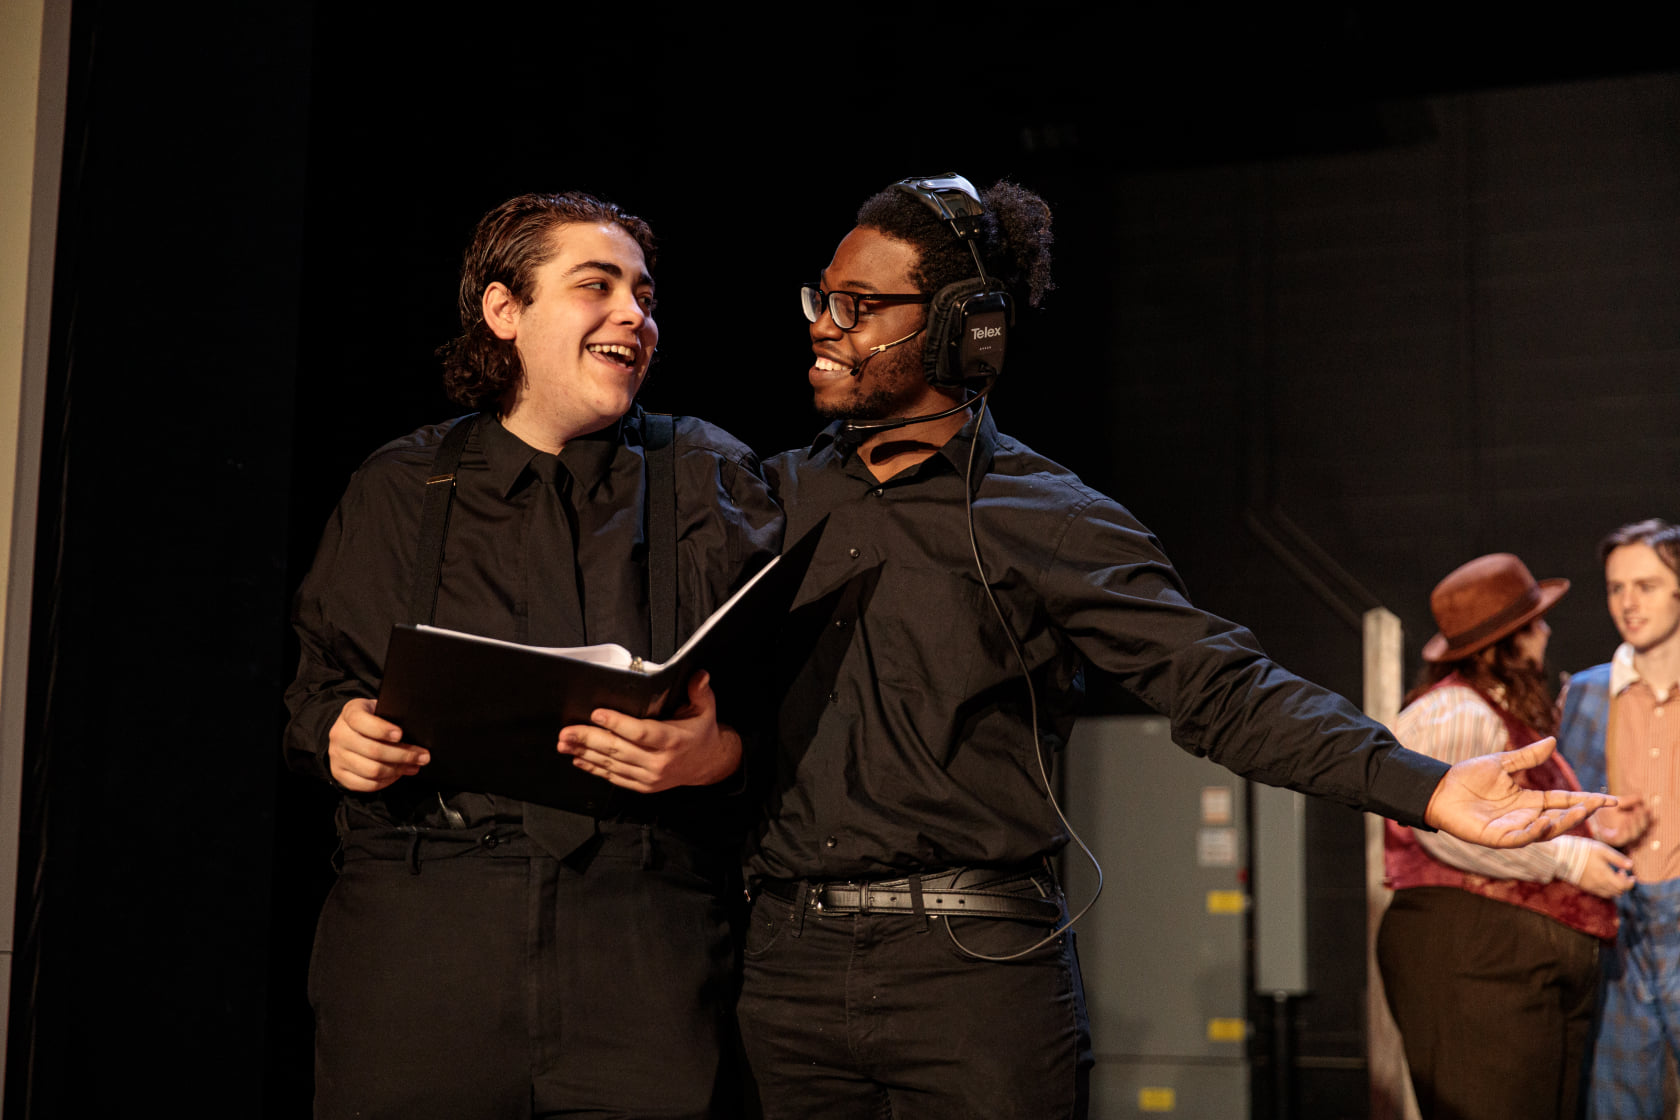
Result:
pixel 830 370
pixel 614 352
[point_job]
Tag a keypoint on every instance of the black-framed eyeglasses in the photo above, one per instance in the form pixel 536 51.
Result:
pixel 842 306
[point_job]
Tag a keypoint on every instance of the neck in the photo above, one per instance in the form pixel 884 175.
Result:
pixel 546 428
pixel 1659 666
pixel 892 452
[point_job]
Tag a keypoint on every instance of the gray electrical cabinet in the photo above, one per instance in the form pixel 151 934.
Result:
pixel 1162 952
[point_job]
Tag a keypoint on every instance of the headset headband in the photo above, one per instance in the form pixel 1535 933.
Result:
pixel 957 203
pixel 968 321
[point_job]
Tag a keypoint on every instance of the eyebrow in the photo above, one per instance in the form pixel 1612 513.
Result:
pixel 860 287
pixel 609 268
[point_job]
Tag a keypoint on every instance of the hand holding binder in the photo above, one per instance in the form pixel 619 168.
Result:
pixel 689 749
pixel 489 712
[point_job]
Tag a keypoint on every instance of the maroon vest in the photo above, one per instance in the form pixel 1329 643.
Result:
pixel 1408 865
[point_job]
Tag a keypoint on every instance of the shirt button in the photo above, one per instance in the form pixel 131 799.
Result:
pixel 830 842
pixel 840 624
pixel 1653 752
pixel 1659 713
pixel 1655 844
pixel 878 491
pixel 854 554
pixel 834 698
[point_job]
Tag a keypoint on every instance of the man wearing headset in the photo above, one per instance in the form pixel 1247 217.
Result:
pixel 906 954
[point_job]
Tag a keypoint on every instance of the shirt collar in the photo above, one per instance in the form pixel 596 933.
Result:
pixel 588 458
pixel 979 431
pixel 1622 672
pixel 505 454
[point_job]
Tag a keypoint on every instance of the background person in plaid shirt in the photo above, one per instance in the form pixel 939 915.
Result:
pixel 1621 730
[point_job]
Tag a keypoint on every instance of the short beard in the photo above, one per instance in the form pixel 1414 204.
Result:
pixel 894 374
pixel 870 406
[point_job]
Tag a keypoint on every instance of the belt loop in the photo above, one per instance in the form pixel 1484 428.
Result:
pixel 917 910
pixel 414 853
pixel 803 896
pixel 647 846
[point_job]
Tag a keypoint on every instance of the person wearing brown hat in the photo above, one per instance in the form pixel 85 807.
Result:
pixel 1490 958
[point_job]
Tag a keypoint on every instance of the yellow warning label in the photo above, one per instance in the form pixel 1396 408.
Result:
pixel 1227 1030
pixel 1157 1100
pixel 1225 902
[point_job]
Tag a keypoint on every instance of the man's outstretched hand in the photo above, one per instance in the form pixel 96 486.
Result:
pixel 1479 801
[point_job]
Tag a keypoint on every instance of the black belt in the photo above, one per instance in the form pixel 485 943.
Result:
pixel 937 893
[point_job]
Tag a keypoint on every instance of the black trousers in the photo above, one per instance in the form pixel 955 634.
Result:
pixel 496 982
pixel 878 1015
pixel 1494 1004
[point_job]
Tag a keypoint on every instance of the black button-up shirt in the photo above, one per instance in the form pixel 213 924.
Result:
pixel 905 738
pixel 541 549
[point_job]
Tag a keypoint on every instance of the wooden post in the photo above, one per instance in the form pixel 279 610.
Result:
pixel 1391 1084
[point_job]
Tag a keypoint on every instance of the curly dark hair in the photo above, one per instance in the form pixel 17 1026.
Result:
pixel 1505 677
pixel 1655 533
pixel 511 242
pixel 1014 239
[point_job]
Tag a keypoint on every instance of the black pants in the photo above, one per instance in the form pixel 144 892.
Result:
pixel 501 982
pixel 854 1016
pixel 1494 1004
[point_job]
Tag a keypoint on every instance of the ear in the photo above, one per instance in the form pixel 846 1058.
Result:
pixel 501 311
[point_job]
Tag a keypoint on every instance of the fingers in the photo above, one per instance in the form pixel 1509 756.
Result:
pixel 1605 879
pixel 1617 873
pixel 1520 827
pixel 1549 799
pixel 358 716
pixel 1532 755
pixel 1556 822
pixel 628 728
pixel 366 753
pixel 649 755
pixel 612 756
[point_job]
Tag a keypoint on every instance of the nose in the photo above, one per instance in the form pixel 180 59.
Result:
pixel 824 327
pixel 628 309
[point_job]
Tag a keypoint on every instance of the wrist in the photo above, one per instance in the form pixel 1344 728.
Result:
pixel 1432 812
pixel 729 758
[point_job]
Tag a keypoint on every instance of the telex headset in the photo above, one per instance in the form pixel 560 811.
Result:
pixel 968 321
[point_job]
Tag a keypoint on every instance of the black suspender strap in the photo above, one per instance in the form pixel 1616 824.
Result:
pixel 659 442
pixel 434 520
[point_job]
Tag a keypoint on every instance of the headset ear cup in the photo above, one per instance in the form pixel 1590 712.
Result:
pixel 940 362
pixel 967 333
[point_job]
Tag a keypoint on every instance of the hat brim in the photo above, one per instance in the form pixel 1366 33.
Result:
pixel 1440 648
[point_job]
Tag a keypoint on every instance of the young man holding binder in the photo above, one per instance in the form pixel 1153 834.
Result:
pixel 905 954
pixel 479 955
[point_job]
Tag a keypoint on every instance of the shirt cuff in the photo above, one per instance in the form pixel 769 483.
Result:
pixel 1572 853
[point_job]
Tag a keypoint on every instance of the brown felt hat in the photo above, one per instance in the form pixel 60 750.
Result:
pixel 1483 601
